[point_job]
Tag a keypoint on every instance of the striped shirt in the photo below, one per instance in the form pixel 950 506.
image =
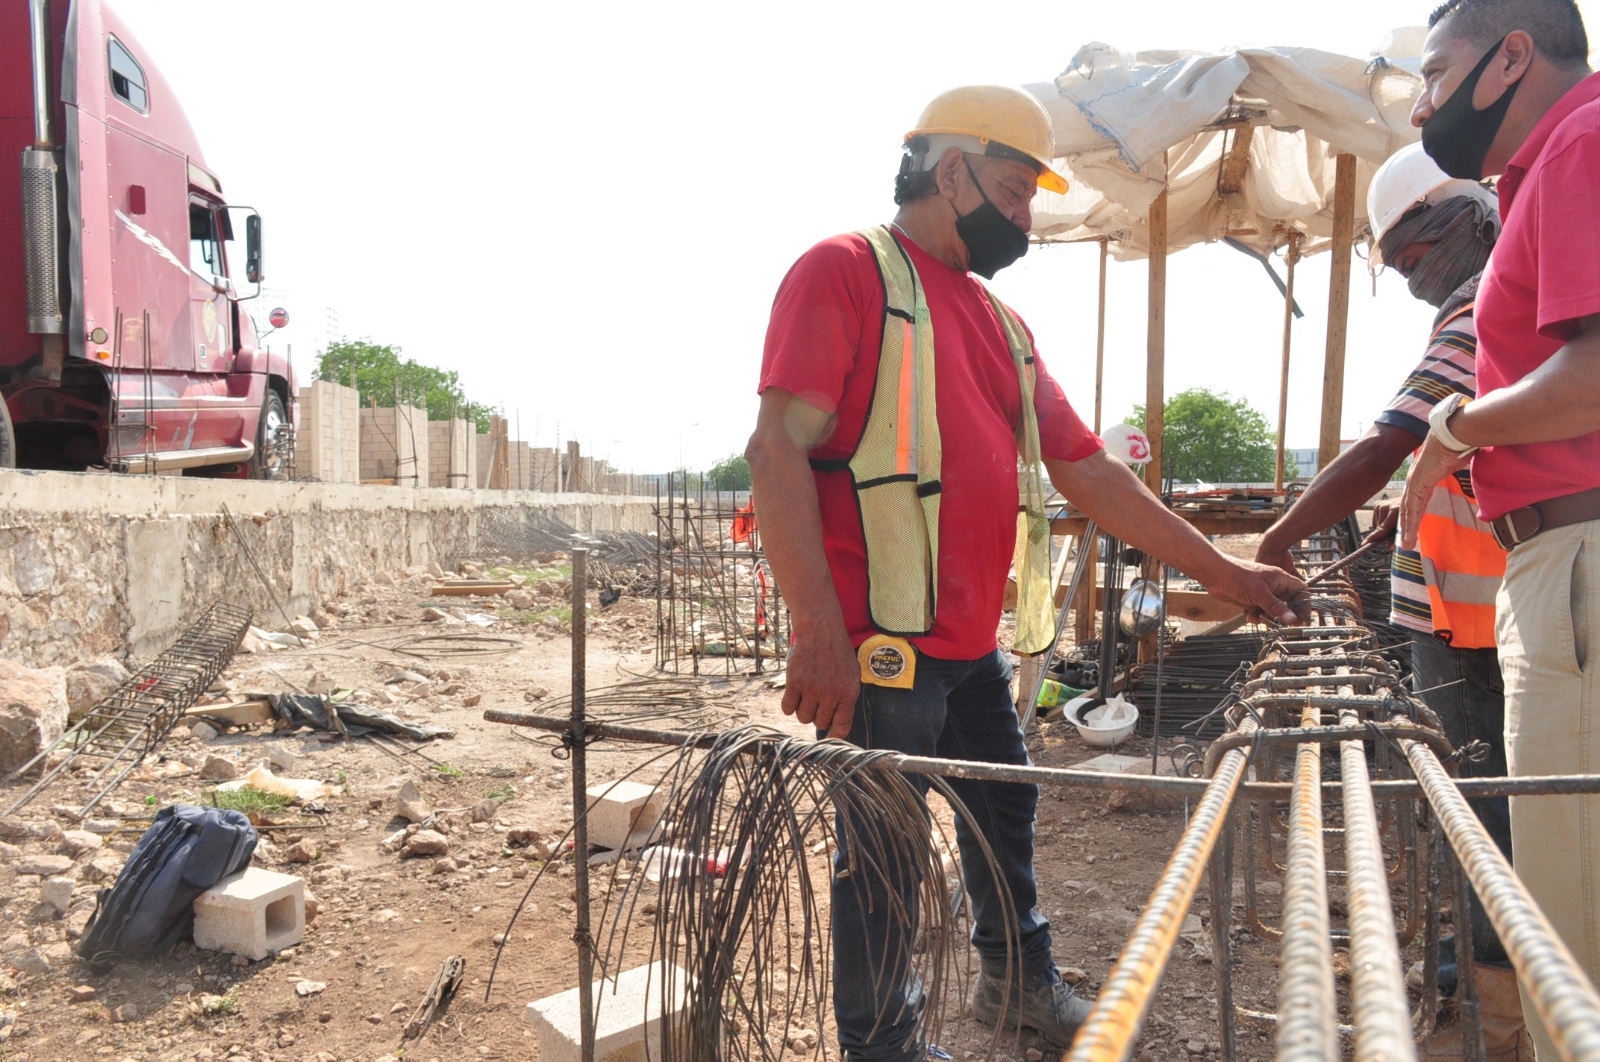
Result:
pixel 1449 367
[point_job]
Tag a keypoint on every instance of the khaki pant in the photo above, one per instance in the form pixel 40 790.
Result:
pixel 1548 616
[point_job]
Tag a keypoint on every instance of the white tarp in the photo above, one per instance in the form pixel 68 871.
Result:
pixel 1126 125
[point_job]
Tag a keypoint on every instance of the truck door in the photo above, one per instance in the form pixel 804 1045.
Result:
pixel 209 287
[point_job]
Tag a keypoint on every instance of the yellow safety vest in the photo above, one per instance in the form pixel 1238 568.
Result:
pixel 896 466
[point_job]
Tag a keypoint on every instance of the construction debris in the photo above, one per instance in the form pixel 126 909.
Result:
pixel 115 736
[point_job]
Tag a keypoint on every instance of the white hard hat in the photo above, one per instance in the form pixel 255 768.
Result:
pixel 1409 179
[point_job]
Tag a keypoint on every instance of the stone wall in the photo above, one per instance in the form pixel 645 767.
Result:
pixel 101 565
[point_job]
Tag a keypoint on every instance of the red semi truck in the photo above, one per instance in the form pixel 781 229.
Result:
pixel 124 339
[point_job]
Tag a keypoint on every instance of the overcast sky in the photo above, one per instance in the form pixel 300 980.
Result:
pixel 586 208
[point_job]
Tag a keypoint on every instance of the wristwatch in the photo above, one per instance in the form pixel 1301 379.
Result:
pixel 1439 423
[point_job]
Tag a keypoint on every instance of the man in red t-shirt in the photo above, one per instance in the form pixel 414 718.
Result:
pixel 964 191
pixel 1509 91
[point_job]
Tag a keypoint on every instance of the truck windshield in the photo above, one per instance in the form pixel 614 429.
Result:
pixel 205 250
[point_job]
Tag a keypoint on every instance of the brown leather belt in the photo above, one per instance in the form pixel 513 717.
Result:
pixel 1519 525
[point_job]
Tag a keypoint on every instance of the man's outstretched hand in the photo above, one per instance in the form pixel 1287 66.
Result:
pixel 1264 591
pixel 823 681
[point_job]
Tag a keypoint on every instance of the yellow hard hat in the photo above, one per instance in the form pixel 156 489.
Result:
pixel 998 114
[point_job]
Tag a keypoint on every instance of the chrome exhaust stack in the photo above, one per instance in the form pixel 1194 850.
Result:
pixel 41 259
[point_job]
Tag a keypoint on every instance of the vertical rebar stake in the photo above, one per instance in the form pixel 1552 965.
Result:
pixel 580 806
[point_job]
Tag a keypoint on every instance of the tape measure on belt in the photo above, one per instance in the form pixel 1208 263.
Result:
pixel 887 661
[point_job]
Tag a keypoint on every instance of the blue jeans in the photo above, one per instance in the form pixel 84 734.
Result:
pixel 961 710
pixel 1465 691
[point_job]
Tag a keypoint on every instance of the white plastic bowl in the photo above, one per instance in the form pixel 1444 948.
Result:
pixel 1104 737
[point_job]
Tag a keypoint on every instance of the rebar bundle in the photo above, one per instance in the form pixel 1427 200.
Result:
pixel 119 733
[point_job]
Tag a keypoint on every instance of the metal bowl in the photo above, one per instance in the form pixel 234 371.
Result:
pixel 1141 609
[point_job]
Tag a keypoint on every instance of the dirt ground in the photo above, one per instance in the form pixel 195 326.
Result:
pixel 384 924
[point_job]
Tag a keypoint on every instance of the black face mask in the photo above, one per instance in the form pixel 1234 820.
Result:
pixel 1458 136
pixel 993 242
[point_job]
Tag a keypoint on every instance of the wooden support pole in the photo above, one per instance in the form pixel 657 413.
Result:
pixel 1344 234
pixel 1155 383
pixel 1288 334
pixel 1100 337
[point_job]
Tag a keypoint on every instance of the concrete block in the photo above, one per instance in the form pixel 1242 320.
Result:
pixel 253 913
pixel 628 1013
pixel 624 815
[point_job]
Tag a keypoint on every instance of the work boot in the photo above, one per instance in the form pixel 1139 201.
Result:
pixel 1046 1004
pixel 1505 1037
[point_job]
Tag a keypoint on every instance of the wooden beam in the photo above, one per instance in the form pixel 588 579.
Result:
pixel 1155 364
pixel 1236 163
pixel 1100 337
pixel 1344 233
pixel 1251 523
pixel 1288 334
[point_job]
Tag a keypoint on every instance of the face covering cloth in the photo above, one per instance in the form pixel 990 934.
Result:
pixel 1463 231
pixel 993 242
pixel 1458 136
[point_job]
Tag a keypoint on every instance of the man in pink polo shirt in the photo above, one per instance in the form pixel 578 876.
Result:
pixel 1508 91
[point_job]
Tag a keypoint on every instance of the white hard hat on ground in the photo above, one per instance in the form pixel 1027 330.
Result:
pixel 1410 179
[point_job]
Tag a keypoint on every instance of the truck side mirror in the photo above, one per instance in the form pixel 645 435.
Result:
pixel 252 249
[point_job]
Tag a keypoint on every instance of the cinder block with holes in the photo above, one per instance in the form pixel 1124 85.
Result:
pixel 628 1014
pixel 624 815
pixel 253 914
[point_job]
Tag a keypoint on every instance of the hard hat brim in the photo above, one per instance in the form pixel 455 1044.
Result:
pixel 1049 179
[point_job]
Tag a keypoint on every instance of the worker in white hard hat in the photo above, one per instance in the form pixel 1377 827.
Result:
pixel 1437 232
pixel 890 505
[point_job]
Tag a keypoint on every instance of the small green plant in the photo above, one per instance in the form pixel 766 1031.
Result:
pixel 150 801
pixel 532 616
pixel 448 771
pixel 340 778
pixel 220 1006
pixel 249 800
pixel 501 793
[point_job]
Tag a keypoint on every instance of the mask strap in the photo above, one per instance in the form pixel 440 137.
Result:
pixel 1471 82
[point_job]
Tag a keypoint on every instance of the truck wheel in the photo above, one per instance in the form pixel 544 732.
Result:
pixel 8 438
pixel 270 462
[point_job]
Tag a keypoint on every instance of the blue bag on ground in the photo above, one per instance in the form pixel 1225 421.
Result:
pixel 150 907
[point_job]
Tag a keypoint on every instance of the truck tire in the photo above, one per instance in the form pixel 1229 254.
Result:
pixel 268 463
pixel 8 438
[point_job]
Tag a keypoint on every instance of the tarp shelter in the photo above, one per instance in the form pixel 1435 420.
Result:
pixel 1269 148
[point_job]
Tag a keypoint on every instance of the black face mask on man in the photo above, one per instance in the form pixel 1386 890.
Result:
pixel 993 242
pixel 1458 136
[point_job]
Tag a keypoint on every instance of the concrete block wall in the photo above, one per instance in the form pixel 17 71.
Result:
pixel 544 469
pixel 327 445
pixel 95 565
pixel 394 445
pixel 452 454
pixel 520 464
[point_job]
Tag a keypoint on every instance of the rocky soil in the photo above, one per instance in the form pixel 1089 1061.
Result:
pixel 390 906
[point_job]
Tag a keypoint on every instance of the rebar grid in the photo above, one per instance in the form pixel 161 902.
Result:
pixel 131 723
pixel 718 607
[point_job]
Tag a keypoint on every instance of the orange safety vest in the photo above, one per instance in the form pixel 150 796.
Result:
pixel 1462 564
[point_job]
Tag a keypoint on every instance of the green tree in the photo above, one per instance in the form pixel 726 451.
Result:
pixel 1215 438
pixel 731 473
pixel 377 372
